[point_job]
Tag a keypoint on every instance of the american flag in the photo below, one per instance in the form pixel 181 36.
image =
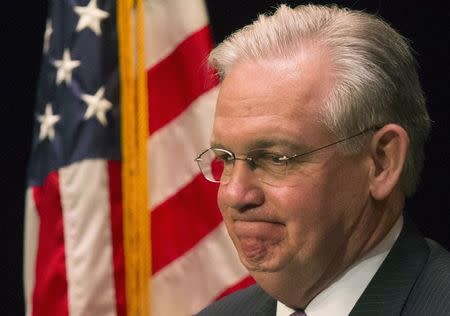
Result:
pixel 74 237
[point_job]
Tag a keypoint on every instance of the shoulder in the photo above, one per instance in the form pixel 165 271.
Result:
pixel 437 268
pixel 242 302
pixel 436 273
pixel 431 292
pixel 439 258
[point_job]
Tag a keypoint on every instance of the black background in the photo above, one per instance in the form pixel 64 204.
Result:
pixel 426 23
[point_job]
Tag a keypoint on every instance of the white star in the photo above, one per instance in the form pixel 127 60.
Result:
pixel 90 16
pixel 47 35
pixel 65 67
pixel 48 121
pixel 97 105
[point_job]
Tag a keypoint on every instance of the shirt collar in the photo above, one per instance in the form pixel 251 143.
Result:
pixel 341 296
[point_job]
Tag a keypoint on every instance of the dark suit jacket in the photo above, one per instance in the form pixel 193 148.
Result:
pixel 413 280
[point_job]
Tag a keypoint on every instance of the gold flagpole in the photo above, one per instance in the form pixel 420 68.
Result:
pixel 134 132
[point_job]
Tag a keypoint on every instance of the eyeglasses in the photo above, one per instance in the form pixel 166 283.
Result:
pixel 216 164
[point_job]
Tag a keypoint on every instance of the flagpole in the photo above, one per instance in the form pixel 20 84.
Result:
pixel 134 118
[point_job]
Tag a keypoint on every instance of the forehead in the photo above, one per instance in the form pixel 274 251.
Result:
pixel 274 98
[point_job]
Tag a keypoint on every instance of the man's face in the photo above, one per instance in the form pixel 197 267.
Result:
pixel 298 231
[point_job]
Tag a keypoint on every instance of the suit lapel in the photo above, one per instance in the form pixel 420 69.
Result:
pixel 267 306
pixel 387 292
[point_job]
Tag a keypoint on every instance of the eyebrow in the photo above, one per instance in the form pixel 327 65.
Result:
pixel 265 143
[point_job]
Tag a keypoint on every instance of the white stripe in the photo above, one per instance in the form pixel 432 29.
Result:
pixel 31 232
pixel 168 23
pixel 192 281
pixel 87 234
pixel 173 148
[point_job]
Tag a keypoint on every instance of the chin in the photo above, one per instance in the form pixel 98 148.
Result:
pixel 270 264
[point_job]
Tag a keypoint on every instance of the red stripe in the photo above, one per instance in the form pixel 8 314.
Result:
pixel 182 220
pixel 246 282
pixel 115 200
pixel 50 291
pixel 179 79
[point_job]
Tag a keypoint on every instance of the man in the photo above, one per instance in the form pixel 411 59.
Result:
pixel 317 139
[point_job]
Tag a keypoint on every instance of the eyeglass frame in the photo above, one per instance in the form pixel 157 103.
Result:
pixel 283 158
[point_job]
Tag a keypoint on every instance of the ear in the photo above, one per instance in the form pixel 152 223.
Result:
pixel 388 150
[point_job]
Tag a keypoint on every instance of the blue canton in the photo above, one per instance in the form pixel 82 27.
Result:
pixel 79 60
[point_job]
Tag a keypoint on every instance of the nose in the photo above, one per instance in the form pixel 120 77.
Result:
pixel 243 191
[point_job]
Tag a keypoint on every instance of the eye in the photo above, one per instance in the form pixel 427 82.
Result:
pixel 275 159
pixel 223 156
pixel 265 158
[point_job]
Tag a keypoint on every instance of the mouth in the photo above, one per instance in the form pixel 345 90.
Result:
pixel 257 229
pixel 254 224
pixel 258 237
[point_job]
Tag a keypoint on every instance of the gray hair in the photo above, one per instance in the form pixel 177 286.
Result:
pixel 376 80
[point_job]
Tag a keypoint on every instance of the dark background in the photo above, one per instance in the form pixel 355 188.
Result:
pixel 426 23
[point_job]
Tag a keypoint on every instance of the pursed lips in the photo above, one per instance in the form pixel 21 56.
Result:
pixel 255 227
pixel 257 237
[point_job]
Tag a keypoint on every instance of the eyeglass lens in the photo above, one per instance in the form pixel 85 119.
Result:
pixel 216 167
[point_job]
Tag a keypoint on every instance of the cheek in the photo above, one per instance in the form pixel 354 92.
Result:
pixel 304 203
pixel 344 199
pixel 349 188
pixel 316 223
pixel 313 209
pixel 303 212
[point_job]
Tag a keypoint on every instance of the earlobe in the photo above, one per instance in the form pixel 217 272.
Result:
pixel 388 149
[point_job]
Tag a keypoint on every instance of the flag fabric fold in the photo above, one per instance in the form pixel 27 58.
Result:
pixel 76 256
